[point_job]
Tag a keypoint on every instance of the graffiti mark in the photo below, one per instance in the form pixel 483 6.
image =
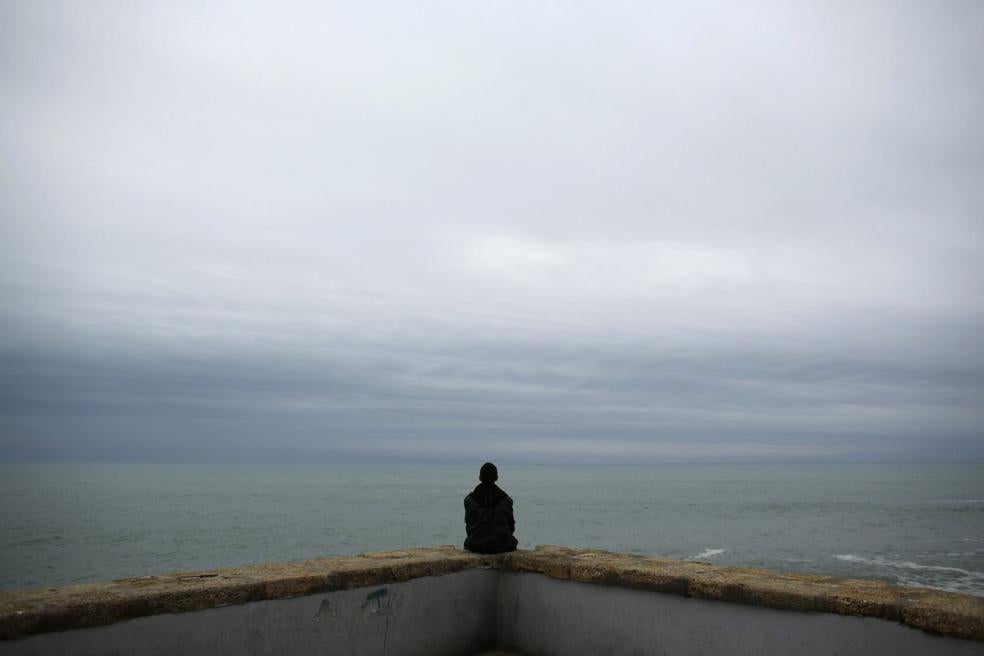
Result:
pixel 379 604
pixel 377 601
pixel 325 612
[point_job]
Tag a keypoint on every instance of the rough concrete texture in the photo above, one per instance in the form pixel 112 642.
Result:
pixel 933 611
pixel 447 615
pixel 540 615
pixel 56 609
pixel 80 606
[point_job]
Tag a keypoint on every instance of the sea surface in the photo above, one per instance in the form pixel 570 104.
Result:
pixel 910 524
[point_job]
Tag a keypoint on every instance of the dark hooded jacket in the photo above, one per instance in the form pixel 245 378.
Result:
pixel 489 520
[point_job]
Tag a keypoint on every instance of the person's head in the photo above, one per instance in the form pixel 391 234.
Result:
pixel 488 474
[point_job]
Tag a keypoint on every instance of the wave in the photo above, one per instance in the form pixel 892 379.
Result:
pixel 953 579
pixel 882 562
pixel 708 553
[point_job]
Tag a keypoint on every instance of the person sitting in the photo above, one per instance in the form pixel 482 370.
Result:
pixel 489 518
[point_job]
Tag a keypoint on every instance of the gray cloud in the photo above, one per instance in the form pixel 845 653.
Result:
pixel 614 232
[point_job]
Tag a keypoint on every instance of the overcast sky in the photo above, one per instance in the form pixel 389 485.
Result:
pixel 460 231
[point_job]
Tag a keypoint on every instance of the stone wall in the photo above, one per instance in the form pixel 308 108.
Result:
pixel 446 615
pixel 446 601
pixel 540 615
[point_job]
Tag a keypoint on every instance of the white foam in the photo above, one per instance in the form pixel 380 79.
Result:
pixel 963 586
pixel 882 562
pixel 954 579
pixel 708 553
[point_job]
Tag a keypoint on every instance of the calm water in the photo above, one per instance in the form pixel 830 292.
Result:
pixel 912 524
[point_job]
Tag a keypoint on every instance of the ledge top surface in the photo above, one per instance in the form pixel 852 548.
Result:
pixel 42 610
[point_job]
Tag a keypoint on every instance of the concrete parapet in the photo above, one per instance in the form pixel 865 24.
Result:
pixel 30 612
pixel 934 611
pixel 27 612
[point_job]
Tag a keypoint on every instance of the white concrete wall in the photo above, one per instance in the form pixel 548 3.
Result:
pixel 541 616
pixel 468 612
pixel 448 615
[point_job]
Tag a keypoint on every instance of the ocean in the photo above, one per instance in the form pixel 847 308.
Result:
pixel 909 524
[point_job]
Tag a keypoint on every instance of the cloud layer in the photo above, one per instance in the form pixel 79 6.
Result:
pixel 613 232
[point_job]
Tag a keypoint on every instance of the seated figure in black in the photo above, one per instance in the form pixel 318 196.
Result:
pixel 489 516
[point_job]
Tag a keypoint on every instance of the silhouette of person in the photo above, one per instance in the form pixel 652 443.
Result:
pixel 489 516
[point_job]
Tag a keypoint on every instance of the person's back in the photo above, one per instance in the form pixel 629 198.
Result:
pixel 489 518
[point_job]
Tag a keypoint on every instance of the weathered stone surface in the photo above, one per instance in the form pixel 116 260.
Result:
pixel 944 614
pixel 79 606
pixel 54 609
pixel 934 611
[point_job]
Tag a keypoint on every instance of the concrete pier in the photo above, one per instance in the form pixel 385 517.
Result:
pixel 435 601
